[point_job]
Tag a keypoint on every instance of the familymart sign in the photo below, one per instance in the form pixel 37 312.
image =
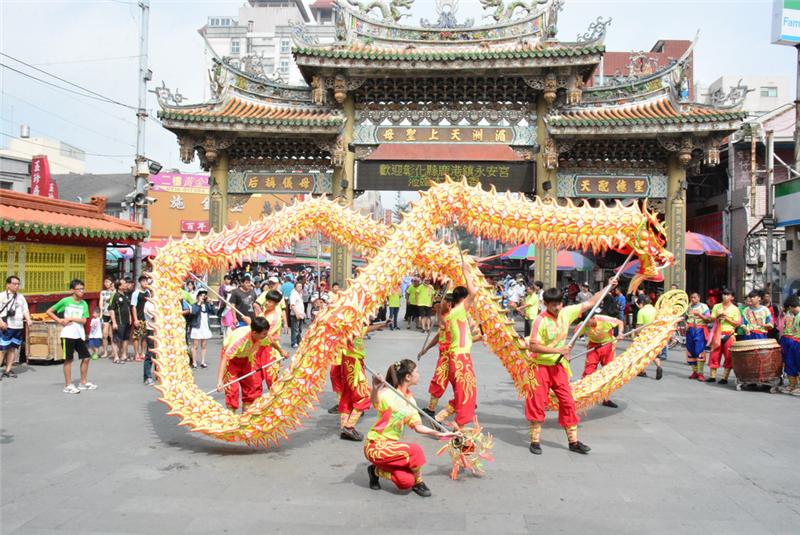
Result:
pixel 786 22
pixel 787 203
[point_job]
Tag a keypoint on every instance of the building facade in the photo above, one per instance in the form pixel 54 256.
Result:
pixel 63 157
pixel 765 93
pixel 259 40
pixel 15 173
pixel 392 107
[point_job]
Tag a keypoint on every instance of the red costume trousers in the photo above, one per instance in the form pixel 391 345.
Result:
pixel 249 387
pixel 552 378
pixel 266 374
pixel 465 387
pixel 723 350
pixel 403 461
pixel 336 378
pixel 598 355
pixel 355 388
pixel 440 374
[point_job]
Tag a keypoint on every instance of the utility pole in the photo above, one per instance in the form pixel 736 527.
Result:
pixel 769 221
pixel 141 171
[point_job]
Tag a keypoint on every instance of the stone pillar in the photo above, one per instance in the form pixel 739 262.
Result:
pixel 343 177
pixel 545 265
pixel 676 223
pixel 218 204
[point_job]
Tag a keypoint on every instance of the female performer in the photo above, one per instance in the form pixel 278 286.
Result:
pixel 401 462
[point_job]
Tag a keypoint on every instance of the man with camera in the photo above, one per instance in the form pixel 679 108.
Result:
pixel 14 315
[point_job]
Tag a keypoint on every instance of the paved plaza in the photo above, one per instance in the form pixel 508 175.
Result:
pixel 676 457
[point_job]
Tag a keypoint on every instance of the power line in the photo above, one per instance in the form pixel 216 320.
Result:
pixel 68 90
pixel 68 121
pixel 95 93
pixel 87 60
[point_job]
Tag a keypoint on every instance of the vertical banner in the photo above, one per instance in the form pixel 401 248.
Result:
pixel 40 177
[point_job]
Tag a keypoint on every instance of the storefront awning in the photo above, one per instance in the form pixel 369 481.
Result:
pixel 33 216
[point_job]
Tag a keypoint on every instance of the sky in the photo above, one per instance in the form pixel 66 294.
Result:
pixel 95 44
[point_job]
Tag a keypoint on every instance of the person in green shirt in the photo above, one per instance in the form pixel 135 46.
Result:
pixel 394 308
pixel 74 315
pixel 425 305
pixel 531 305
pixel 645 316
pixel 389 457
pixel 411 303
pixel 549 348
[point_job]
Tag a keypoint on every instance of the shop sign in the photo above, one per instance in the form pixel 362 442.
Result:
pixel 444 134
pixel 611 186
pixel 258 182
pixel 416 175
pixel 786 22
pixel 189 225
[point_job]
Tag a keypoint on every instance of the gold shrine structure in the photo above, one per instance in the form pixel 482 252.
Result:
pixel 390 106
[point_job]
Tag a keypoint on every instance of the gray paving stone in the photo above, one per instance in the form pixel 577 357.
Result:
pixel 677 457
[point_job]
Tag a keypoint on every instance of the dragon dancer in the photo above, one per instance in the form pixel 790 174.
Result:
pixel 601 345
pixel 697 317
pixel 354 398
pixel 441 373
pixel 727 318
pixel 548 343
pixel 238 356
pixel 273 313
pixel 399 462
pixel 461 374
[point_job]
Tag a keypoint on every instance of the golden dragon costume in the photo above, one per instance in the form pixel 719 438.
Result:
pixel 394 252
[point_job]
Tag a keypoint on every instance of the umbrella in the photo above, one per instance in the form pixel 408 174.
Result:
pixel 572 261
pixel 633 268
pixel 565 261
pixel 112 255
pixel 520 252
pixel 697 244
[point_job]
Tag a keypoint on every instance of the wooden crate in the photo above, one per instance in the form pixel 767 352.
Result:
pixel 43 342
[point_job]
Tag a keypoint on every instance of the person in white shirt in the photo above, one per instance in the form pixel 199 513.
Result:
pixel 14 315
pixel 296 313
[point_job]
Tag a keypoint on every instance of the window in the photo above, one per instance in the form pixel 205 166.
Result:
pixel 769 91
pixel 234 46
pixel 221 21
pixel 285 46
pixel 284 66
pixel 6 185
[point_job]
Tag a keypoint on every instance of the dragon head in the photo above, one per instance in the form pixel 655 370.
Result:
pixel 648 244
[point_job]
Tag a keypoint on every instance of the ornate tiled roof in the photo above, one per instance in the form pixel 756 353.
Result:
pixel 362 41
pixel 237 109
pixel 31 215
pixel 658 111
pixel 429 53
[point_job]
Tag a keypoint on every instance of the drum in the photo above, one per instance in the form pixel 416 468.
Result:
pixel 757 361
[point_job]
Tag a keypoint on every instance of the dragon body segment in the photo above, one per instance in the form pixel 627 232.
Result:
pixel 394 252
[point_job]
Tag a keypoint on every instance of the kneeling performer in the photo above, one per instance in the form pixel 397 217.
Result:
pixel 400 462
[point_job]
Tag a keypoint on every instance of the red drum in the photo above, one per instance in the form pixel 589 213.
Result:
pixel 757 361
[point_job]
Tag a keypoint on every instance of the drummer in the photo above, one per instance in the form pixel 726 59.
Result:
pixel 697 316
pixel 757 318
pixel 790 344
pixel 727 318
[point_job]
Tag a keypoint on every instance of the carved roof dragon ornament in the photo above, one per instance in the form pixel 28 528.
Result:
pixel 389 12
